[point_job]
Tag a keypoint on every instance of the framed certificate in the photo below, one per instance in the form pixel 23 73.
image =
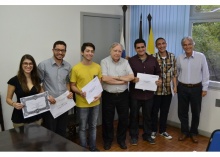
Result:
pixel 35 104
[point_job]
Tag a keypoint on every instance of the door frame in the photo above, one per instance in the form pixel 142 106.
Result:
pixel 82 14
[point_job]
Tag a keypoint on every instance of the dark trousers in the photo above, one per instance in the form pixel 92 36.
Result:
pixel 111 101
pixel 134 117
pixel 162 104
pixel 189 97
pixel 57 125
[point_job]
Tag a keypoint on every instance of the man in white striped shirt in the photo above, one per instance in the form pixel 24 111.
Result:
pixel 193 78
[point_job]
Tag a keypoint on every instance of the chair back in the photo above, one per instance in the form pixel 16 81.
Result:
pixel 214 141
pixel 1 116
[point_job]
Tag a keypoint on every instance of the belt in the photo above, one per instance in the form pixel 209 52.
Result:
pixel 118 93
pixel 191 85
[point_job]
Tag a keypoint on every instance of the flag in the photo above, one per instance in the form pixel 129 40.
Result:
pixel 122 42
pixel 140 28
pixel 150 45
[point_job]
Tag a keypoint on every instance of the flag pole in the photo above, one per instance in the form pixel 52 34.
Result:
pixel 124 8
pixel 140 28
pixel 149 17
pixel 150 45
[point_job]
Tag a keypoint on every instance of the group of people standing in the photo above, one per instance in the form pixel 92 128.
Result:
pixel 118 77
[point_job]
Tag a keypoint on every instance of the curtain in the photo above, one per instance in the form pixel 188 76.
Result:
pixel 168 21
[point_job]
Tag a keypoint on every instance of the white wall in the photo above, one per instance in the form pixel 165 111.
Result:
pixel 209 117
pixel 33 30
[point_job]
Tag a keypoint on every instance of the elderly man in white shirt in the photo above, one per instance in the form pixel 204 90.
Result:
pixel 193 78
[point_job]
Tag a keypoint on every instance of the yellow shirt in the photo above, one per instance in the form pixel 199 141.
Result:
pixel 81 75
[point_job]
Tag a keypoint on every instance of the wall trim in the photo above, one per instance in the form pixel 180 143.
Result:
pixel 177 125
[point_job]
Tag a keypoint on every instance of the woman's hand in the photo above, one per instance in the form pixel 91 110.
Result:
pixel 18 106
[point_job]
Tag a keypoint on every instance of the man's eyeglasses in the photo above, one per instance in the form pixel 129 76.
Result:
pixel 58 50
pixel 26 64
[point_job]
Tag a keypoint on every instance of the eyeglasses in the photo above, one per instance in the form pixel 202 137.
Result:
pixel 58 50
pixel 26 64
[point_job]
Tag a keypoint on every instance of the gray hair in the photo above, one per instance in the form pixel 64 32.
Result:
pixel 114 45
pixel 187 38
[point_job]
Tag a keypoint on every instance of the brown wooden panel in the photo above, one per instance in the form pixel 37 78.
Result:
pixel 33 137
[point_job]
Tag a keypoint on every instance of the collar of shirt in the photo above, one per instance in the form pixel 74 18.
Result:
pixel 190 56
pixel 160 57
pixel 145 59
pixel 54 63
pixel 120 60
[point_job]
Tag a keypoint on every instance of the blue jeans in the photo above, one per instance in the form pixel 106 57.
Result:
pixel 88 115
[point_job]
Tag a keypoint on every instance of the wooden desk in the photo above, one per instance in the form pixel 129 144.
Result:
pixel 33 137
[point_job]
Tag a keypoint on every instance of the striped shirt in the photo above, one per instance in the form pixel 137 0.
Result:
pixel 168 71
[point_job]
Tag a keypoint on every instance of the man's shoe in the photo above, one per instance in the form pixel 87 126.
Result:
pixel 107 146
pixel 166 135
pixel 134 141
pixel 149 139
pixel 194 139
pixel 122 145
pixel 182 137
pixel 153 135
pixel 94 150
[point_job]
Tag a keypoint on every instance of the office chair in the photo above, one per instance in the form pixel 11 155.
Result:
pixel 1 116
pixel 214 141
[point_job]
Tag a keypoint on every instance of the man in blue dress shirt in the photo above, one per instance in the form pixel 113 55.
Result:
pixel 193 78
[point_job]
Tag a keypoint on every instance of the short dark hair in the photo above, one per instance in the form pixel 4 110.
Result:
pixel 159 39
pixel 84 45
pixel 59 42
pixel 137 41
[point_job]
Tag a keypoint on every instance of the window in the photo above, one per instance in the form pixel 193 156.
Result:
pixel 205 23
pixel 207 8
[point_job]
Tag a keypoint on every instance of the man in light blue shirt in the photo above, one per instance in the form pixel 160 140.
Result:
pixel 193 78
pixel 55 76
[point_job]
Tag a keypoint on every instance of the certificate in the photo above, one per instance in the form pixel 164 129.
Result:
pixel 62 105
pixel 146 82
pixel 171 88
pixel 92 89
pixel 35 104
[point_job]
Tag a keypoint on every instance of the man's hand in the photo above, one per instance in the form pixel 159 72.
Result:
pixel 204 93
pixel 97 97
pixel 158 82
pixel 70 95
pixel 51 100
pixel 135 80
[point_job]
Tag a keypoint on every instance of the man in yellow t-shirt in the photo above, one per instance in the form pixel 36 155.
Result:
pixel 81 74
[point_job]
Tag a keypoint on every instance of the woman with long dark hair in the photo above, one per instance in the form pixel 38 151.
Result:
pixel 25 83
